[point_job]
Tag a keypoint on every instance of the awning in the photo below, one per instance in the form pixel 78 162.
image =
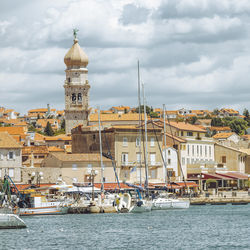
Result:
pixel 112 186
pixel 206 176
pixel 187 184
pixel 234 175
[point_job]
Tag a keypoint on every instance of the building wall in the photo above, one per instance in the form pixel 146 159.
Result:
pixel 235 160
pixel 6 165
pixel 77 171
pixel 130 170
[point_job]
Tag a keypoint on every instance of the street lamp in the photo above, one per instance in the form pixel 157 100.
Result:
pixel 92 173
pixel 200 176
pixel 39 177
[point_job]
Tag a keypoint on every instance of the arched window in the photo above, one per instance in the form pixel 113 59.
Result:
pixel 79 97
pixel 73 97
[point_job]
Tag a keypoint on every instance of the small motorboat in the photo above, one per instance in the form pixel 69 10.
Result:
pixel 8 220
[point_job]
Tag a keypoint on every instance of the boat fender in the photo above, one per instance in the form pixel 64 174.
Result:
pixel 139 203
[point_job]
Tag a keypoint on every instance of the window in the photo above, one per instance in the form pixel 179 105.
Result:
pixel 188 150
pixel 184 147
pixel 69 79
pixel 152 142
pixel 74 180
pixel 137 142
pixel 169 152
pixel 79 97
pixel 224 159
pixel 1 156
pixel 182 133
pixel 125 158
pixel 201 150
pixel 125 141
pixel 188 161
pixel 197 150
pixel 169 161
pixel 205 151
pixel 94 137
pixel 192 150
pixel 152 159
pixel 138 157
pixel 11 172
pixel 11 155
pixel 189 133
pixel 153 174
pixel 74 166
pixel 183 160
pixel 73 97
pixel 210 151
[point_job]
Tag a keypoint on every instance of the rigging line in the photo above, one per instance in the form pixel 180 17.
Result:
pixel 164 161
pixel 110 157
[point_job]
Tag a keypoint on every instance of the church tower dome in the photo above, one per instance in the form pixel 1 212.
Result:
pixel 76 87
pixel 76 56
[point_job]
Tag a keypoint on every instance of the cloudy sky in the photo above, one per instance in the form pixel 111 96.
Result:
pixel 193 53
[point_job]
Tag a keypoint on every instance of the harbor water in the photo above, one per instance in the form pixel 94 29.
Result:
pixel 199 227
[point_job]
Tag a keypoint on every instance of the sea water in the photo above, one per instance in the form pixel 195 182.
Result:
pixel 199 227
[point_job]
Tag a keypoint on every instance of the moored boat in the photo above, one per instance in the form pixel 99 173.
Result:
pixel 169 203
pixel 8 220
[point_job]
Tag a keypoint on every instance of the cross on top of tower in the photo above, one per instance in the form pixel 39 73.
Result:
pixel 75 33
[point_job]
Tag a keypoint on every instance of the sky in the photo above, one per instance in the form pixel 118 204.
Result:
pixel 193 54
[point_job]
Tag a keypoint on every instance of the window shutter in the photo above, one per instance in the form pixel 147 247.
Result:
pixel 8 155
pixel 14 155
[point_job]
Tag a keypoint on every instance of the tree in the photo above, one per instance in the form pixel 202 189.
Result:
pixel 217 122
pixel 238 126
pixel 63 124
pixel 193 119
pixel 216 111
pixel 246 114
pixel 48 130
pixel 154 114
pixel 148 109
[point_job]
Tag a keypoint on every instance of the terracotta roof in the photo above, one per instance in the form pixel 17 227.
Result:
pixel 79 157
pixel 220 128
pixel 230 111
pixel 35 150
pixel 121 108
pixel 246 137
pixel 13 130
pixel 7 141
pixel 55 149
pixel 115 117
pixel 61 137
pixel 42 110
pixel 223 135
pixel 186 126
pixel 39 137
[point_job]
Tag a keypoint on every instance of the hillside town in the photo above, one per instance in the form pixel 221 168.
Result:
pixel 195 149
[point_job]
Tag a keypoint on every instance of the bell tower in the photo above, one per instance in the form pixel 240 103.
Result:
pixel 76 87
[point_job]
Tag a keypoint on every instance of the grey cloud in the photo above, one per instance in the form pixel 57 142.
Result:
pixel 133 15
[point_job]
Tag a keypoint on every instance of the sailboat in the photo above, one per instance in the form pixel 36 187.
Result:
pixel 162 202
pixel 141 204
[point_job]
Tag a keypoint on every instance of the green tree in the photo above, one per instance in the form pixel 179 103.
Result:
pixel 63 124
pixel 216 111
pixel 193 119
pixel 148 109
pixel 246 113
pixel 238 126
pixel 154 114
pixel 217 122
pixel 48 130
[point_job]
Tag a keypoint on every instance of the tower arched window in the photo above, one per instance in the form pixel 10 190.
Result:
pixel 73 97
pixel 79 97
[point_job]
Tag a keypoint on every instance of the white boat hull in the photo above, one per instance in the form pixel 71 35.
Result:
pixel 55 210
pixel 11 221
pixel 145 206
pixel 165 204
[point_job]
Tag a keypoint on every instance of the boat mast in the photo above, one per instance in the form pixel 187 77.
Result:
pixel 165 145
pixel 140 120
pixel 146 140
pixel 100 141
